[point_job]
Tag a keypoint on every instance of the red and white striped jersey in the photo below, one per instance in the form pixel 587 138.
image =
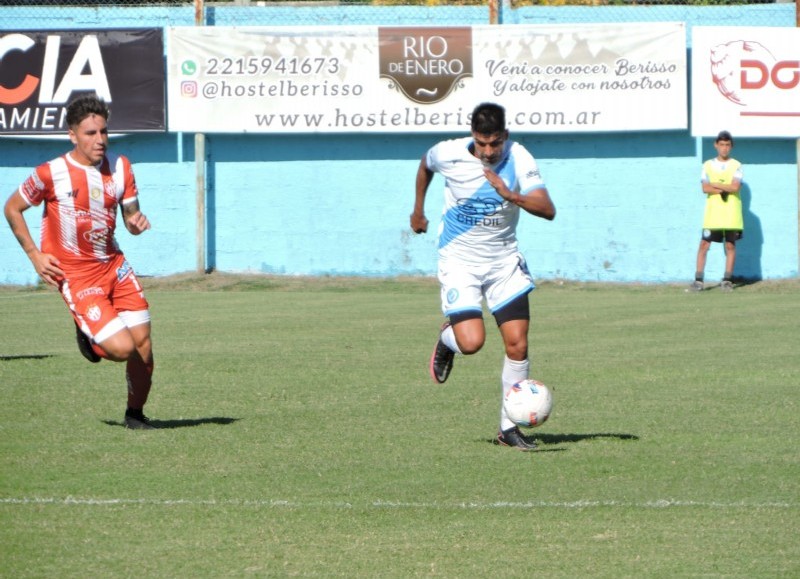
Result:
pixel 80 206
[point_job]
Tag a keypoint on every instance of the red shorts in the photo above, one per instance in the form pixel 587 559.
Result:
pixel 96 297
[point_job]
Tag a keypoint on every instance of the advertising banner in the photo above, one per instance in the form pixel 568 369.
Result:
pixel 746 80
pixel 551 78
pixel 41 72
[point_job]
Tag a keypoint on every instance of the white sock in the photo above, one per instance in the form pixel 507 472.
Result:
pixel 513 372
pixel 448 338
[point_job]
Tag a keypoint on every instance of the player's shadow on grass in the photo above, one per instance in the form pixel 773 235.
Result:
pixel 26 357
pixel 544 440
pixel 559 438
pixel 183 423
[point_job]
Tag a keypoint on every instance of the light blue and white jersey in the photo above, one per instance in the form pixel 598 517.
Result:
pixel 479 226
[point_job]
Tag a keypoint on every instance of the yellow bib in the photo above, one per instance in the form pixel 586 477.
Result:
pixel 721 214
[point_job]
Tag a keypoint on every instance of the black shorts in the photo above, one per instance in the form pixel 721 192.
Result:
pixel 516 309
pixel 717 235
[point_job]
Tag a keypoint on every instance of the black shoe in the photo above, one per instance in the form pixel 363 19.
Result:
pixel 136 420
pixel 514 438
pixel 85 346
pixel 441 359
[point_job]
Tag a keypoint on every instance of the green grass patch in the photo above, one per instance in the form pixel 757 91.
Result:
pixel 302 436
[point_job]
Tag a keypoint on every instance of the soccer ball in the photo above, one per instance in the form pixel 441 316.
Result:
pixel 528 403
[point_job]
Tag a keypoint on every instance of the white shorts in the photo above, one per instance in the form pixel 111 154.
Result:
pixel 463 286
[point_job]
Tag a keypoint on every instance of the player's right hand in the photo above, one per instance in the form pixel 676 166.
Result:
pixel 46 265
pixel 419 223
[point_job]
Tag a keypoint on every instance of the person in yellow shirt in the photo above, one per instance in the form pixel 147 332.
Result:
pixel 721 180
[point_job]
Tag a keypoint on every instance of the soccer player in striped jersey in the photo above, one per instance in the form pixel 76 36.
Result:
pixel 488 179
pixel 81 191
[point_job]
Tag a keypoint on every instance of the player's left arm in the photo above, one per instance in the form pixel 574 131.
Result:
pixel 732 187
pixel 135 221
pixel 722 188
pixel 536 202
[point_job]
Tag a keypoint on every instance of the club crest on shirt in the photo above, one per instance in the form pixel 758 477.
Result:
pixel 452 296
pixel 95 193
pixel 110 189
pixel 94 312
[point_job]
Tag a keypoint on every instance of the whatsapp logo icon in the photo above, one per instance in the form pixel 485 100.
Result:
pixel 188 67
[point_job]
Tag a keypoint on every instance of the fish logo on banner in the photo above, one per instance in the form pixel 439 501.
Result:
pixel 425 64
pixel 746 72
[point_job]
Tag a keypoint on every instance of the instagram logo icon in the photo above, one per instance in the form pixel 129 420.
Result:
pixel 189 89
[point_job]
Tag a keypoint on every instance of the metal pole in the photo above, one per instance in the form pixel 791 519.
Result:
pixel 200 199
pixel 494 10
pixel 200 169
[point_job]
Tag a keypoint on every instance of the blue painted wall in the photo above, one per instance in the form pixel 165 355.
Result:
pixel 629 205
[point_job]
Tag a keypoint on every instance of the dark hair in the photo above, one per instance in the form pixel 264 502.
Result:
pixel 488 119
pixel 724 136
pixel 84 106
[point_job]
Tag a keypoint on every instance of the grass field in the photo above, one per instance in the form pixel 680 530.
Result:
pixel 301 436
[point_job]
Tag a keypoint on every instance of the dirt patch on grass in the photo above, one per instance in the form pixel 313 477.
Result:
pixel 217 281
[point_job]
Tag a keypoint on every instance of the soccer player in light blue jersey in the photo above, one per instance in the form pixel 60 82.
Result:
pixel 488 179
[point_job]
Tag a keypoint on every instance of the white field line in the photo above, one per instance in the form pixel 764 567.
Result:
pixel 383 504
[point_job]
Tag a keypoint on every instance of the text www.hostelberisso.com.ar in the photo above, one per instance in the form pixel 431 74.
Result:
pixel 338 118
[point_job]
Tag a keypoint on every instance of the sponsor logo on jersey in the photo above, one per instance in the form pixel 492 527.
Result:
pixel 89 291
pixel 96 235
pixel 478 211
pixel 483 206
pixel 124 270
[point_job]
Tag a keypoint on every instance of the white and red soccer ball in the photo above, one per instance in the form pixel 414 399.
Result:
pixel 528 403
